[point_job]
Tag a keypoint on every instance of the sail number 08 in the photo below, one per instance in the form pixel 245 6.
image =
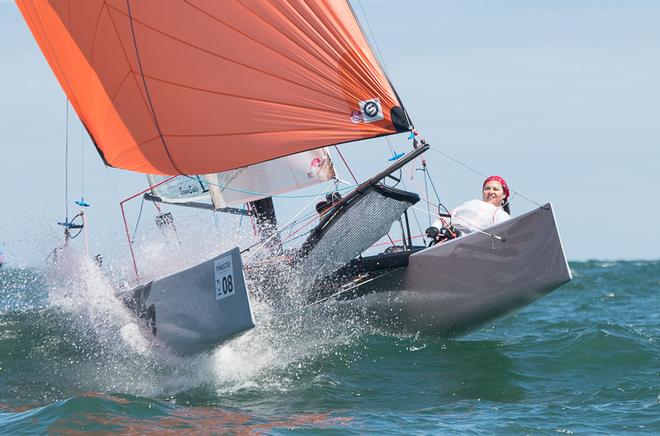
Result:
pixel 224 277
pixel 227 285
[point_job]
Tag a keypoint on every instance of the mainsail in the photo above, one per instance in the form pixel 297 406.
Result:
pixel 202 86
pixel 236 187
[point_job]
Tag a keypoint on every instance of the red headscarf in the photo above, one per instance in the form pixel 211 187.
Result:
pixel 505 187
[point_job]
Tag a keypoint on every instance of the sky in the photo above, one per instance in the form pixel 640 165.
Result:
pixel 560 98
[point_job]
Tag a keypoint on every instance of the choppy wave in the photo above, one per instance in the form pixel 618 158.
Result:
pixel 585 359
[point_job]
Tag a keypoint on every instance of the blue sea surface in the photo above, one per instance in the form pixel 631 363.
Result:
pixel 583 360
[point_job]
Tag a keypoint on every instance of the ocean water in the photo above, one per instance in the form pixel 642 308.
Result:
pixel 583 360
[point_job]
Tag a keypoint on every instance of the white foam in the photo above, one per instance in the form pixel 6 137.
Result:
pixel 287 338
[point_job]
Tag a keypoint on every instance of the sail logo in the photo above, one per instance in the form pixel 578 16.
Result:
pixel 224 278
pixel 190 189
pixel 371 110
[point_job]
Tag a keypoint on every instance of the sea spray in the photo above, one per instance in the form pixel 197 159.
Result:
pixel 576 361
pixel 160 253
pixel 92 342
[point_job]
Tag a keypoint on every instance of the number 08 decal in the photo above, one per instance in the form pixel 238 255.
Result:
pixel 224 277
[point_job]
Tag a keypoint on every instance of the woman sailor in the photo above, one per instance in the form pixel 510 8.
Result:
pixel 475 215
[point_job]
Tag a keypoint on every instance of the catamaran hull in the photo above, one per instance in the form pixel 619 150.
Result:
pixel 198 308
pixel 459 285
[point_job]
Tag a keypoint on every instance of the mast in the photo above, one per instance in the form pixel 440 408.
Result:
pixel 263 211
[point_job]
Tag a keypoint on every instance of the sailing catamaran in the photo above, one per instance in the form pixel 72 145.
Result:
pixel 239 101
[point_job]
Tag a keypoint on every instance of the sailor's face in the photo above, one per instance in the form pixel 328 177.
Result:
pixel 493 193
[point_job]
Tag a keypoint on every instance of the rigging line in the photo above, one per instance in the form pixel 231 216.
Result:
pixel 403 181
pixel 419 226
pixel 401 170
pixel 412 177
pixel 404 184
pixel 426 193
pixel 437 196
pixel 307 223
pixel 344 182
pixel 112 182
pixel 478 229
pixel 414 213
pixel 525 197
pixel 430 203
pixel 66 165
pixel 309 215
pixel 373 38
pixel 137 223
pixel 263 243
pixel 291 221
pixel 82 158
pixel 435 191
pixel 346 164
pixel 421 210
pixel 380 244
pixel 307 218
pixel 391 240
pixel 389 144
pixel 458 162
pixel 482 174
pixel 300 235
pixel 423 198
pixel 146 90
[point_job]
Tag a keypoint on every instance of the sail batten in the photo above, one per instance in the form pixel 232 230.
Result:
pixel 224 85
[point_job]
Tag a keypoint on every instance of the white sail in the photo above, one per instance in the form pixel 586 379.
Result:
pixel 181 189
pixel 236 187
pixel 278 176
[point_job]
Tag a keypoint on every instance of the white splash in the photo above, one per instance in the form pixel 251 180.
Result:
pixel 287 339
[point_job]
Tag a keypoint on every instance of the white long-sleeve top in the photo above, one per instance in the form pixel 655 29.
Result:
pixel 475 215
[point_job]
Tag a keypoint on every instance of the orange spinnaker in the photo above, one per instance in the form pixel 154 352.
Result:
pixel 203 86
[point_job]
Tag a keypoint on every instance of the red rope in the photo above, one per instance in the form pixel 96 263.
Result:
pixel 346 164
pixel 392 242
pixel 313 218
pixel 299 229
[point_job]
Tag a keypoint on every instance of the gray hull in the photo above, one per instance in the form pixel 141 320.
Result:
pixel 457 286
pixel 198 308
